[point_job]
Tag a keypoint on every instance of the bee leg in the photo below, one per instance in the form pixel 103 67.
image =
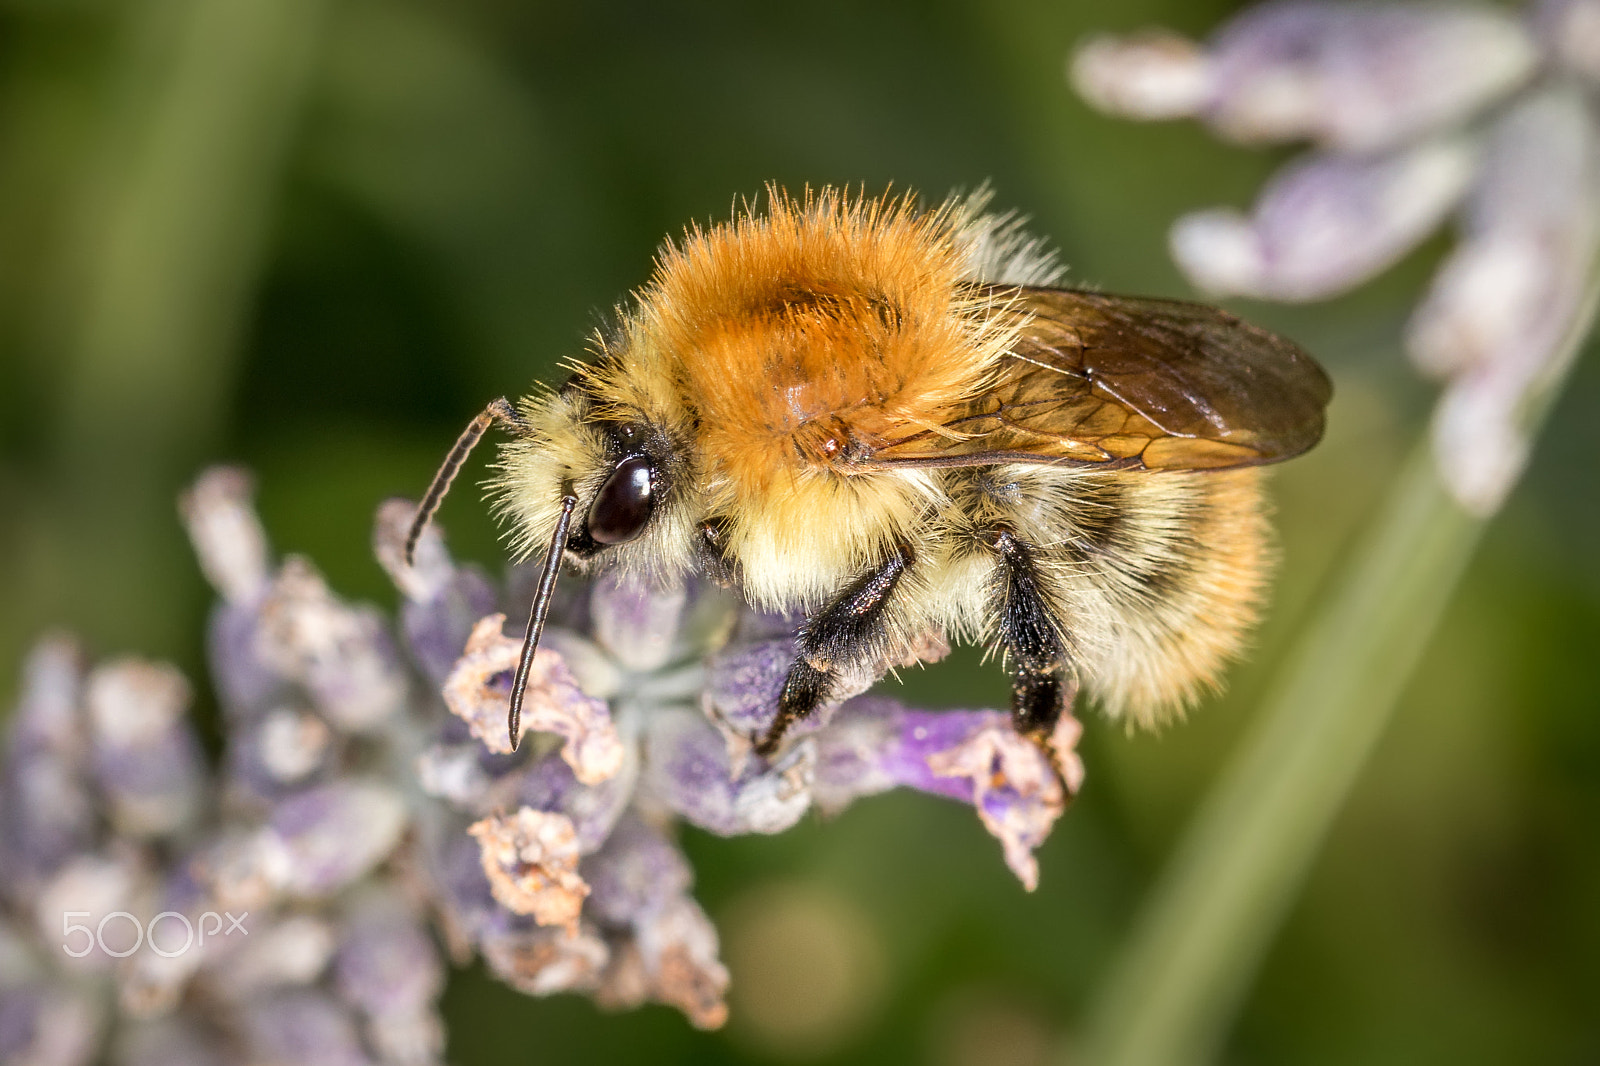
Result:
pixel 848 629
pixel 1043 684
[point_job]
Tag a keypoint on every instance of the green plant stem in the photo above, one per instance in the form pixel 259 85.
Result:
pixel 1173 991
pixel 1239 867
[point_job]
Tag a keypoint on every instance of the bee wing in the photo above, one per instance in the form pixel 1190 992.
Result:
pixel 1131 383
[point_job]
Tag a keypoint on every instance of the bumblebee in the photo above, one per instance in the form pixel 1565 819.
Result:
pixel 895 422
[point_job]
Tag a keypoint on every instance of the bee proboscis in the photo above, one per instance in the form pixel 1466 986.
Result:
pixel 896 422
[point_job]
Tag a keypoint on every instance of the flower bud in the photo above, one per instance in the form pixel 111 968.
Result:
pixel 226 534
pixel 1324 225
pixel 1146 76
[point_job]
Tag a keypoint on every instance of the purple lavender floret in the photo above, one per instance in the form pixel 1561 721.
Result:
pixel 47 810
pixel 303 1026
pixel 549 784
pixel 637 871
pixel 691 771
pixel 442 601
pixel 743 683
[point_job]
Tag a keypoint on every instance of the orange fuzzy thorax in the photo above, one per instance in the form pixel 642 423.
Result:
pixel 816 326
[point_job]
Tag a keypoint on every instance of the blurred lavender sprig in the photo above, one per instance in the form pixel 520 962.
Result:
pixel 367 793
pixel 1414 112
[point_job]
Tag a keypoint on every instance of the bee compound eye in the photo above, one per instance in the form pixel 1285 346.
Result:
pixel 622 507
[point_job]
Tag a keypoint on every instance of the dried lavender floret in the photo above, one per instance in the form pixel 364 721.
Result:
pixel 531 860
pixel 663 946
pixel 541 962
pixel 478 692
pixel 1015 790
pixel 678 946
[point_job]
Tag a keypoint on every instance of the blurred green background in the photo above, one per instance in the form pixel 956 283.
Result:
pixel 315 236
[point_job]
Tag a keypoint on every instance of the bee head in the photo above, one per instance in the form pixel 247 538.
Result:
pixel 631 482
pixel 622 469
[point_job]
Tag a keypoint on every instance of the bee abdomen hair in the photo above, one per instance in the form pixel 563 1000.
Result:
pixel 1157 609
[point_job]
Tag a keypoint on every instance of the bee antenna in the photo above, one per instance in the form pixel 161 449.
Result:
pixel 498 411
pixel 541 608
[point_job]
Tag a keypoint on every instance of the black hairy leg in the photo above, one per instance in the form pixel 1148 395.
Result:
pixel 1043 684
pixel 846 631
